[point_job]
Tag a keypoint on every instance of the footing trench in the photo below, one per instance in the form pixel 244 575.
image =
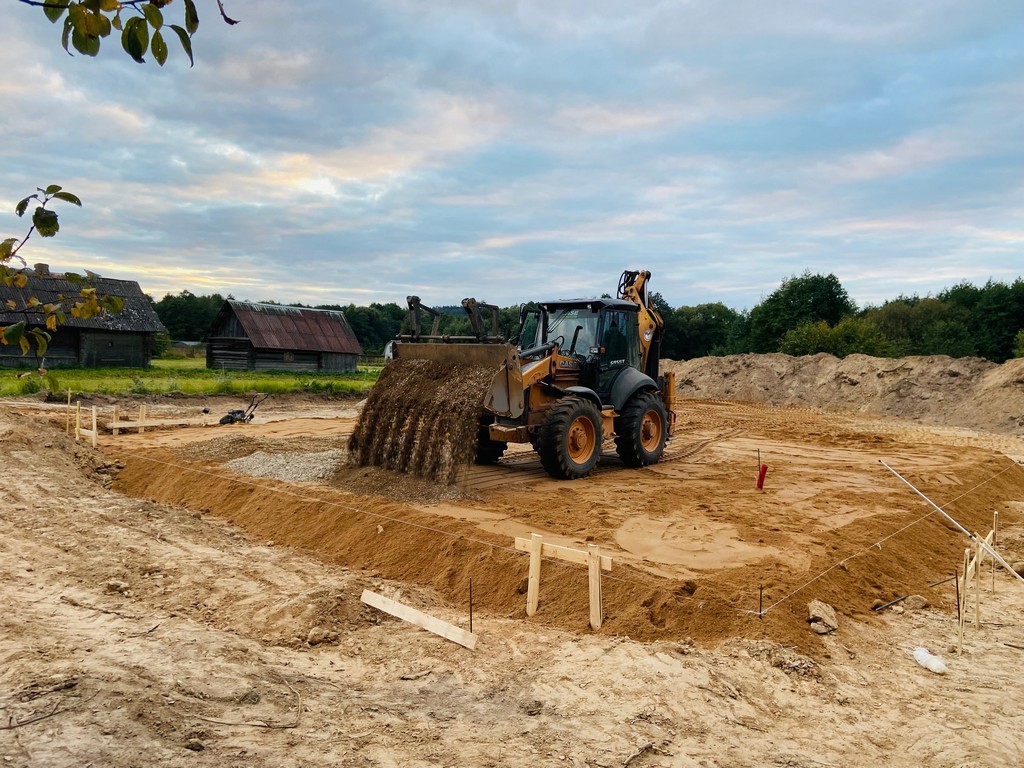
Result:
pixel 643 598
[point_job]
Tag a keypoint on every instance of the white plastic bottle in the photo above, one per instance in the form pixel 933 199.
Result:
pixel 930 661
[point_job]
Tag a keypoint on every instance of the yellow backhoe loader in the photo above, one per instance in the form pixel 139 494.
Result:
pixel 580 370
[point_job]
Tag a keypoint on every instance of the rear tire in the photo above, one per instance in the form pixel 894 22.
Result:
pixel 569 442
pixel 642 430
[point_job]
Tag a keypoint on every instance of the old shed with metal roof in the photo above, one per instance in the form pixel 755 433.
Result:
pixel 269 337
pixel 124 338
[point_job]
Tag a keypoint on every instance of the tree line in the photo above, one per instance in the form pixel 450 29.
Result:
pixel 805 315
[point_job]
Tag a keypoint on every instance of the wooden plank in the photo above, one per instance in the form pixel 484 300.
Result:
pixel 536 545
pixel 420 619
pixel 192 422
pixel 117 418
pixel 564 553
pixel 594 575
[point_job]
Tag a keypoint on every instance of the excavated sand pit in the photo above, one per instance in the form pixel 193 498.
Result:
pixel 693 541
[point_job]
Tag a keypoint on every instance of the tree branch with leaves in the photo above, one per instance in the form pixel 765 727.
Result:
pixel 140 22
pixel 41 318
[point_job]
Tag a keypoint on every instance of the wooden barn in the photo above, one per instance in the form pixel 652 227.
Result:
pixel 269 337
pixel 125 338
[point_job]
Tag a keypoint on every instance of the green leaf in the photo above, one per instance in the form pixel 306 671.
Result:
pixel 141 32
pixel 42 341
pixel 85 44
pixel 153 16
pixel 13 333
pixel 67 197
pixel 117 21
pixel 21 206
pixel 45 221
pixel 130 40
pixel 186 42
pixel 109 5
pixel 113 303
pixel 54 9
pixel 72 277
pixel 90 5
pixel 25 346
pixel 7 247
pixel 66 35
pixel 104 25
pixel 53 189
pixel 191 17
pixel 77 15
pixel 159 48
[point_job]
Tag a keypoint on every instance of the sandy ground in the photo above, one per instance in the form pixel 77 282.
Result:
pixel 191 597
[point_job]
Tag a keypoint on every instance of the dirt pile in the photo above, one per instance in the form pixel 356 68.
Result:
pixel 422 416
pixel 961 392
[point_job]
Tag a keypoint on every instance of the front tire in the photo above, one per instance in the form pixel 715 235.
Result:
pixel 569 443
pixel 642 430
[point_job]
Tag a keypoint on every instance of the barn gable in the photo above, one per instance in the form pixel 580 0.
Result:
pixel 123 338
pixel 251 336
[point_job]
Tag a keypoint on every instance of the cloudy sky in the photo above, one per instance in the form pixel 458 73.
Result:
pixel 335 152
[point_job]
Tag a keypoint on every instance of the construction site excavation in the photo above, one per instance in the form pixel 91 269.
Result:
pixel 749 582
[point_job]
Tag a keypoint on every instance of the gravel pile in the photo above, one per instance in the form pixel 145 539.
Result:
pixel 293 467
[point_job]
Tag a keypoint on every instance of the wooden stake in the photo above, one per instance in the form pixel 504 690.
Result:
pixel 995 533
pixel 760 601
pixel 963 604
pixel 956 580
pixel 471 605
pixel 533 585
pixel 94 426
pixel 142 418
pixel 594 573
pixel 117 419
pixel 977 582
pixel 67 423
pixel 78 420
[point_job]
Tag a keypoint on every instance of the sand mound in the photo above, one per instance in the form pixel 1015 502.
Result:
pixel 422 417
pixel 961 392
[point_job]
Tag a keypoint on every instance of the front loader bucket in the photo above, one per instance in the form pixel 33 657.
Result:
pixel 505 395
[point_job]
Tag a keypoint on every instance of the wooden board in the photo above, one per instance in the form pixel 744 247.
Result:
pixel 194 422
pixel 564 553
pixel 420 619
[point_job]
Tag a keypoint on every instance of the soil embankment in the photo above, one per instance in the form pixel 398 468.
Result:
pixel 957 392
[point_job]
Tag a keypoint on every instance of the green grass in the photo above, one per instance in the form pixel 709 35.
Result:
pixel 187 376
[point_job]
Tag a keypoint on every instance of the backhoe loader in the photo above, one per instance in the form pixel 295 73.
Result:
pixel 579 371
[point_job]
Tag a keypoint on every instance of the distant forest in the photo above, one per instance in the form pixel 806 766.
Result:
pixel 806 314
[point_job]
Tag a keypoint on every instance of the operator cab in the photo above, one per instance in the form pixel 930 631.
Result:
pixel 602 334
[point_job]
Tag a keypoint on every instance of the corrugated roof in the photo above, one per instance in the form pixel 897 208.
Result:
pixel 272 326
pixel 138 314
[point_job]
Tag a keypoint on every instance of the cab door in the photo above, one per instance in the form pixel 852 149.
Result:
pixel 619 348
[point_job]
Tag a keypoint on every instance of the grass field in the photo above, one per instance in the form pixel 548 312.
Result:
pixel 188 376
